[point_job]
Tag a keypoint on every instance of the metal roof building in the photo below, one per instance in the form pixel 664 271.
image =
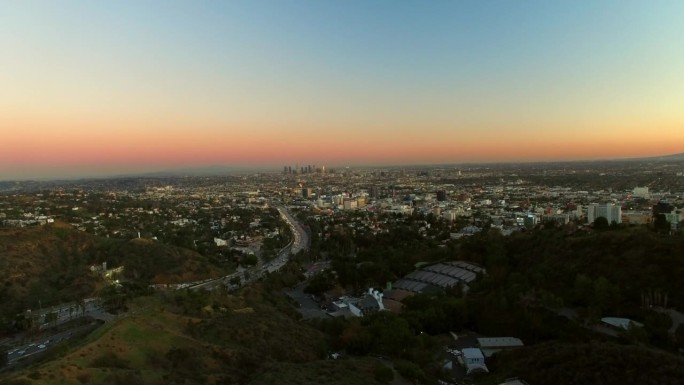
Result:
pixel 492 345
pixel 620 323
pixel 441 275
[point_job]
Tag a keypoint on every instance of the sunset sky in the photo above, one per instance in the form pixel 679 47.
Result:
pixel 95 88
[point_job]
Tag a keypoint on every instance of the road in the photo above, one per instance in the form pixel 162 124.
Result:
pixel 44 343
pixel 301 238
pixel 91 306
pixel 299 242
pixel 40 346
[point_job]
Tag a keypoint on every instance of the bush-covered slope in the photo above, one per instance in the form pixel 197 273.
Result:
pixel 224 339
pixel 47 265
pixel 593 363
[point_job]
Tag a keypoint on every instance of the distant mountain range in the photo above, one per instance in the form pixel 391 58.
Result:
pixel 201 171
pixel 223 170
pixel 675 157
pixel 219 170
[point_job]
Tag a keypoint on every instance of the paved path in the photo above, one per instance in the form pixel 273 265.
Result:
pixel 677 317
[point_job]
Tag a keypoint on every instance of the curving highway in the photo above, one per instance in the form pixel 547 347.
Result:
pixel 299 242
pixel 301 238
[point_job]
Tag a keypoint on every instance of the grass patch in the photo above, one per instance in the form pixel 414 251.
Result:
pixel 329 372
pixel 133 334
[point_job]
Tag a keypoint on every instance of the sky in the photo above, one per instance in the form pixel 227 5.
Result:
pixel 96 88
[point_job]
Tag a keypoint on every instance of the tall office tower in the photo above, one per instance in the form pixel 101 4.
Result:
pixel 441 195
pixel 285 170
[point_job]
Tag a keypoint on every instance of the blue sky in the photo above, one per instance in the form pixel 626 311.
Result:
pixel 398 73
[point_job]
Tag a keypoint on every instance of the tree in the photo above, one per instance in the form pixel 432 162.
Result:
pixel 583 289
pixel 51 317
pixel 601 223
pixel 660 224
pixel 249 260
pixel 320 284
pixel 3 356
pixel 410 371
pixel 603 293
pixel 679 335
pixel 383 374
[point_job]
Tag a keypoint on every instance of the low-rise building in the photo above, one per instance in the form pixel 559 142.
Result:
pixel 474 361
pixel 492 345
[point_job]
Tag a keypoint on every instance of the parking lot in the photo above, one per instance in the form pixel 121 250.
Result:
pixel 307 306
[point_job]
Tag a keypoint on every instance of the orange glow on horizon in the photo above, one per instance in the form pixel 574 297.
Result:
pixel 34 144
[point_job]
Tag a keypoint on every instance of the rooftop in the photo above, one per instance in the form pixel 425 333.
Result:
pixel 499 342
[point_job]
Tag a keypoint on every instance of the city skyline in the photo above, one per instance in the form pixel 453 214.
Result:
pixel 98 89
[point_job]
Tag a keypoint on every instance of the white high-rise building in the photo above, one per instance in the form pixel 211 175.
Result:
pixel 610 211
pixel 641 192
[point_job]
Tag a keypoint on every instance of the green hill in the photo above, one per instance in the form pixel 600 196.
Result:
pixel 222 339
pixel 589 363
pixel 47 265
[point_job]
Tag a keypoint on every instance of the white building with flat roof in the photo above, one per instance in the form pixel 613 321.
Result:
pixel 610 211
pixel 474 361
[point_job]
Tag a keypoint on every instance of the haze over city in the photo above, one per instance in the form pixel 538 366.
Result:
pixel 102 88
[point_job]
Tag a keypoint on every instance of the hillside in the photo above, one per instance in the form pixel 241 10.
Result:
pixel 593 363
pixel 42 266
pixel 49 264
pixel 631 263
pixel 199 338
pixel 154 262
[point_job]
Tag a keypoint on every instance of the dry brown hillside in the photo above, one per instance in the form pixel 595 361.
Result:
pixel 51 264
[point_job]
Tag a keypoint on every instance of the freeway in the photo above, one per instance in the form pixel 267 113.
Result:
pixel 91 306
pixel 299 243
pixel 301 238
pixel 88 308
pixel 25 351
